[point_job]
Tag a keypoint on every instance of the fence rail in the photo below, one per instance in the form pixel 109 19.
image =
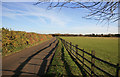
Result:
pixel 74 53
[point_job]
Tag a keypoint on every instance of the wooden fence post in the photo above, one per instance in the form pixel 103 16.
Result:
pixel 118 70
pixel 76 50
pixel 70 46
pixel 65 43
pixel 83 57
pixel 93 62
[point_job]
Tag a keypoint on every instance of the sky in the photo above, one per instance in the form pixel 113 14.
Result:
pixel 24 16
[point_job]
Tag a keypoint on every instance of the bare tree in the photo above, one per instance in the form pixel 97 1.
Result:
pixel 101 11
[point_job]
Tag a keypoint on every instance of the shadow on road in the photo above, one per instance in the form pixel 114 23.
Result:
pixel 68 68
pixel 44 63
pixel 18 71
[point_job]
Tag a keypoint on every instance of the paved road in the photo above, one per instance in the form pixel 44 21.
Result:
pixel 30 61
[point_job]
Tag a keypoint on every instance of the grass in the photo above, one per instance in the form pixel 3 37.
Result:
pixel 105 48
pixel 62 64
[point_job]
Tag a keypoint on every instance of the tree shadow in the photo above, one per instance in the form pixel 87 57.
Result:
pixel 80 67
pixel 67 67
pixel 42 70
pixel 22 65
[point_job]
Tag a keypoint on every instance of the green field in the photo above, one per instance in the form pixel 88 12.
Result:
pixel 105 48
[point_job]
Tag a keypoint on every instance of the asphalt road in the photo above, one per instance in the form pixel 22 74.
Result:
pixel 30 61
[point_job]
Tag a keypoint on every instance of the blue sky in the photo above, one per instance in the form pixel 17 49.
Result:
pixel 24 16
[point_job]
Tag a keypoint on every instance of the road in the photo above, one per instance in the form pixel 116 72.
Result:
pixel 30 61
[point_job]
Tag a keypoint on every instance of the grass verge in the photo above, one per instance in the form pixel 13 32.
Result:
pixel 62 64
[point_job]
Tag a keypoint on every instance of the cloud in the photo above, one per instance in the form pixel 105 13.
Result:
pixel 39 19
pixel 28 10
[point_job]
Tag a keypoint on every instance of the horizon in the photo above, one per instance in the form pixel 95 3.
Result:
pixel 24 16
pixel 64 33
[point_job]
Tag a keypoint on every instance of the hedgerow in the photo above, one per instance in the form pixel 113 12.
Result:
pixel 13 41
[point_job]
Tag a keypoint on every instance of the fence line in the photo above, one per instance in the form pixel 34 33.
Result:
pixel 74 52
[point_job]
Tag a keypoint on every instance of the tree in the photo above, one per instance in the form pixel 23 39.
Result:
pixel 101 11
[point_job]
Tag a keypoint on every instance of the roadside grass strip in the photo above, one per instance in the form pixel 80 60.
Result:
pixel 62 64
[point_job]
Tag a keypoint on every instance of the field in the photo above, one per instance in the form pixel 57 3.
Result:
pixel 105 48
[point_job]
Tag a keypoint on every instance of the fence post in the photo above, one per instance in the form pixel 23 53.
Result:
pixel 64 43
pixel 83 57
pixel 118 70
pixel 93 62
pixel 70 46
pixel 76 50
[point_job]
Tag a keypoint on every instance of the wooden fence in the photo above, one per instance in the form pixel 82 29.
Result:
pixel 73 50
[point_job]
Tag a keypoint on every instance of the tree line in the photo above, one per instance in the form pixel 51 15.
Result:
pixel 89 35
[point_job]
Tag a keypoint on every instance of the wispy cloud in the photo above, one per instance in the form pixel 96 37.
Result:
pixel 28 17
pixel 26 11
